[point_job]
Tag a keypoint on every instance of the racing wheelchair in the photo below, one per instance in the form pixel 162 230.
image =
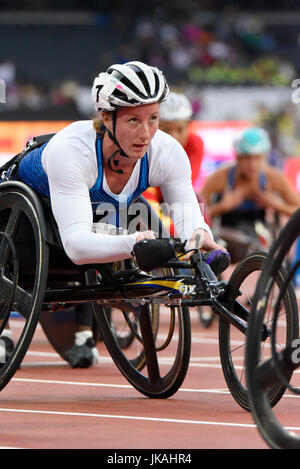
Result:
pixel 283 361
pixel 44 276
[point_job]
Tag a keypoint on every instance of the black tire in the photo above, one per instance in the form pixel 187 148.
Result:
pixel 267 421
pixel 21 218
pixel 232 344
pixel 153 383
pixel 124 325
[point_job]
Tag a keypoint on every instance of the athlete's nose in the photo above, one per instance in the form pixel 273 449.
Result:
pixel 145 131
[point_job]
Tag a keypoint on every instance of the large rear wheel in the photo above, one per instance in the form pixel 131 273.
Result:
pixel 22 288
pixel 232 343
pixel 282 361
pixel 165 354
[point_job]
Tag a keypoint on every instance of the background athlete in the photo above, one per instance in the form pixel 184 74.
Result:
pixel 243 193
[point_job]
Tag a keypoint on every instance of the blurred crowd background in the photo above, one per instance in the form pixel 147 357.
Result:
pixel 234 60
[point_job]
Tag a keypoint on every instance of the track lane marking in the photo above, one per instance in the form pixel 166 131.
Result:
pixel 104 385
pixel 125 386
pixel 129 417
pixel 143 419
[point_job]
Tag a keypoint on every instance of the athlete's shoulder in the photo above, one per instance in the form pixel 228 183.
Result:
pixel 165 143
pixel 77 129
pixel 167 159
pixel 78 135
pixel 224 168
pixel 220 175
pixel 271 170
pixel 275 177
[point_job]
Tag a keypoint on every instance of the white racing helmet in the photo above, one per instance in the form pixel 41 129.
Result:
pixel 253 141
pixel 128 85
pixel 177 107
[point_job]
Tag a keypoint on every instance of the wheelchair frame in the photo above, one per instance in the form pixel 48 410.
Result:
pixel 129 289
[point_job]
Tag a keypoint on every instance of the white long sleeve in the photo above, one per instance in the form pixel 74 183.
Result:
pixel 70 163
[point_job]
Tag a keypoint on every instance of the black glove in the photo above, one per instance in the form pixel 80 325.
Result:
pixel 217 260
pixel 153 253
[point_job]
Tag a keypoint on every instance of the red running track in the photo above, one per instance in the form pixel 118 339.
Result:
pixel 49 405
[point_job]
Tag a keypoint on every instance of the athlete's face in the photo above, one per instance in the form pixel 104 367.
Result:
pixel 178 130
pixel 135 128
pixel 249 165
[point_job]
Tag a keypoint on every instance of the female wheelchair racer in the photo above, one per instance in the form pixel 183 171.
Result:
pixel 111 160
pixel 49 198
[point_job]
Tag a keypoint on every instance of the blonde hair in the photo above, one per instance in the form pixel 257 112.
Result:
pixel 98 125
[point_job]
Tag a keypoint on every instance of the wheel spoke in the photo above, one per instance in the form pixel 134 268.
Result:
pixel 13 220
pixel 22 298
pixel 10 229
pixel 149 346
pixel 22 302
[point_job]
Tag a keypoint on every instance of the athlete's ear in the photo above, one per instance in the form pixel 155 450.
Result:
pixel 107 118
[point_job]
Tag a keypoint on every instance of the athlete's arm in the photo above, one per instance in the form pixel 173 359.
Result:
pixel 216 184
pixel 69 173
pixel 179 196
pixel 279 195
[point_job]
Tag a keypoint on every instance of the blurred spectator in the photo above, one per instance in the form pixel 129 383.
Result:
pixel 8 73
pixel 235 48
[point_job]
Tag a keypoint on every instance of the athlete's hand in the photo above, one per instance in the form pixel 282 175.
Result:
pixel 203 240
pixel 231 199
pixel 148 234
pixel 145 235
pixel 266 199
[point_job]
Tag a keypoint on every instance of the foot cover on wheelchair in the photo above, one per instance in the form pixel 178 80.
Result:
pixel 218 260
pixel 6 348
pixel 84 352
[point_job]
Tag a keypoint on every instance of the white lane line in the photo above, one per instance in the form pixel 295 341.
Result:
pixel 210 359
pixel 71 383
pixel 162 361
pixel 125 386
pixel 42 363
pixel 104 360
pixel 43 354
pixel 142 419
pixel 106 385
pixel 9 447
pixel 130 417
pixel 55 354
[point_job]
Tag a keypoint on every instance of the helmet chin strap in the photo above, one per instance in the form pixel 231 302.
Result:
pixel 112 158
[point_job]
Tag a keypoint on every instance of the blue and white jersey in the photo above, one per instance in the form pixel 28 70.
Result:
pixel 31 172
pixel 69 170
